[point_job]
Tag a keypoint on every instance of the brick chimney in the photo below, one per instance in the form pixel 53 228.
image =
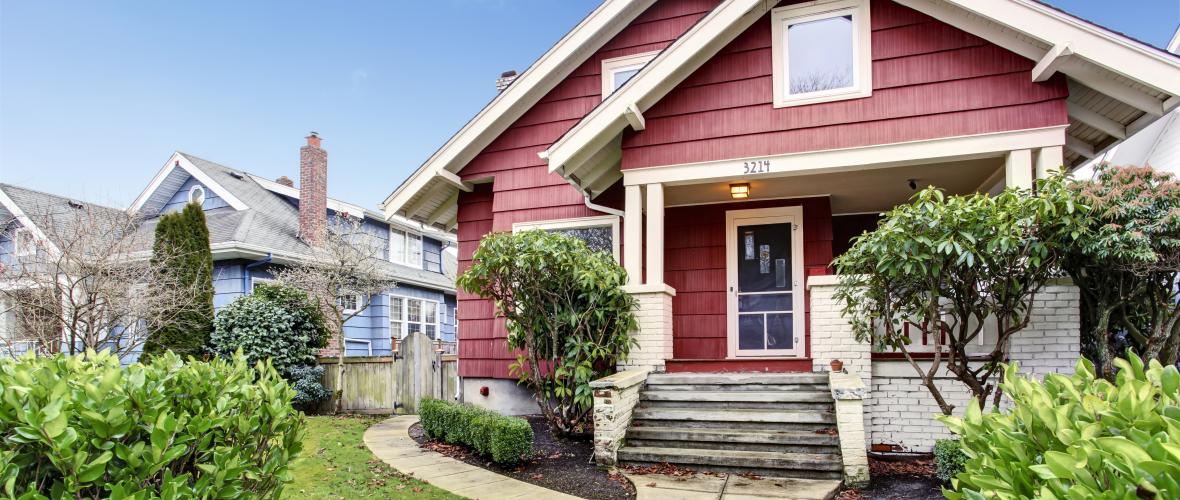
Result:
pixel 313 191
pixel 286 181
pixel 505 78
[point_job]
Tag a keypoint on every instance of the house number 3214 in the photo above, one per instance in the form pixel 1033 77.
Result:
pixel 756 167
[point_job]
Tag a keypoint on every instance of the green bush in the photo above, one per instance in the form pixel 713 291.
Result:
pixel 506 440
pixel 282 325
pixel 86 427
pixel 1076 436
pixel 948 459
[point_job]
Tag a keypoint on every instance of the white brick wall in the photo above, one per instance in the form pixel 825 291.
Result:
pixel 615 398
pixel 898 408
pixel 654 315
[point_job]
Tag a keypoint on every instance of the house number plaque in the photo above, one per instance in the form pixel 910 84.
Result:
pixel 756 167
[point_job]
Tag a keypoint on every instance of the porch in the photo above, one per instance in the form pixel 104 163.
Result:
pixel 733 250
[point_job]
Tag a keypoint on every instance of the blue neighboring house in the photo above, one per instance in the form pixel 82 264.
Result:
pixel 254 228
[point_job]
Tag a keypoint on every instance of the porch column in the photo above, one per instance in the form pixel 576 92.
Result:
pixel 655 234
pixel 633 235
pixel 1018 169
pixel 654 298
pixel 1048 161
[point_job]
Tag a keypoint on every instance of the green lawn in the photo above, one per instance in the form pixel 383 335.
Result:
pixel 336 464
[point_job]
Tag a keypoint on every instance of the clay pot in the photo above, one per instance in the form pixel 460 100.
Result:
pixel 837 365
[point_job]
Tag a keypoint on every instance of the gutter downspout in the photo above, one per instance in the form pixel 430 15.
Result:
pixel 604 209
pixel 247 278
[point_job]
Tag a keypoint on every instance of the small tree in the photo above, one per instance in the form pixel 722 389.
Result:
pixel 565 312
pixel 1127 266
pixel 182 254
pixel 84 284
pixel 943 265
pixel 278 324
pixel 349 262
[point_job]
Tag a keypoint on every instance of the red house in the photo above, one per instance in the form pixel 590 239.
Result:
pixel 730 149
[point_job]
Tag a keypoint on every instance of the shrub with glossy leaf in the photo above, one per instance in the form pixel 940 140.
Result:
pixel 565 310
pixel 86 427
pixel 1076 436
pixel 507 440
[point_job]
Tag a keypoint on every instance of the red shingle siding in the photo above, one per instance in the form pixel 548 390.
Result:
pixel 694 260
pixel 930 80
pixel 523 190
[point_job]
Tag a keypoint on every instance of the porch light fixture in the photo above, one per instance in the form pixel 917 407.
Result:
pixel 739 191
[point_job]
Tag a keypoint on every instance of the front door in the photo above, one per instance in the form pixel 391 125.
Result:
pixel 764 251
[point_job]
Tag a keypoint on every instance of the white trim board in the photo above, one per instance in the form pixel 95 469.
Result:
pixel 849 159
pixel 179 160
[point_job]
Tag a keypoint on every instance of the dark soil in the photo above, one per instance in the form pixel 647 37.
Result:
pixel 565 465
pixel 905 480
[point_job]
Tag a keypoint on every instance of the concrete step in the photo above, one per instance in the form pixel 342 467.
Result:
pixel 736 426
pixel 739 416
pixel 760 462
pixel 736 378
pixel 740 388
pixel 655 394
pixel 739 405
pixel 731 439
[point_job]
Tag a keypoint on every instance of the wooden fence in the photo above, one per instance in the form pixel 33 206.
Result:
pixel 388 384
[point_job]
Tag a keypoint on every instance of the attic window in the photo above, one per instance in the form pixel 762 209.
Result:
pixel 25 242
pixel 196 195
pixel 617 71
pixel 821 52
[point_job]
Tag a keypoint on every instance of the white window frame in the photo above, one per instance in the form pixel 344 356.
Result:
pixel 406 248
pixel 20 250
pixel 405 316
pixel 259 280
pixel 619 64
pixel 862 67
pixel 193 190
pixel 611 221
pixel 356 305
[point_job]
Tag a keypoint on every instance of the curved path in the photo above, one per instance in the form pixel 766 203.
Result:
pixel 391 442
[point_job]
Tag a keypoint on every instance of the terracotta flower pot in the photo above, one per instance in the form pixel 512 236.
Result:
pixel 837 365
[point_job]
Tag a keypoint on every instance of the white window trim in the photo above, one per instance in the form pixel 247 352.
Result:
pixel 257 280
pixel 357 301
pixel 18 249
pixel 421 264
pixel 193 190
pixel 611 221
pixel 617 64
pixel 862 68
pixel 439 311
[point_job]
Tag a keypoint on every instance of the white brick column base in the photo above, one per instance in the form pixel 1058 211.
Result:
pixel 831 334
pixel 849 391
pixel 615 398
pixel 654 315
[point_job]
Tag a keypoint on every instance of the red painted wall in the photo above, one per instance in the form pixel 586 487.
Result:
pixel 929 80
pixel 522 188
pixel 694 260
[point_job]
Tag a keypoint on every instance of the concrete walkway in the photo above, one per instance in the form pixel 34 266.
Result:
pixel 391 442
pixel 729 487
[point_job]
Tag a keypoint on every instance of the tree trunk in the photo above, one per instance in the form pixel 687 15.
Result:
pixel 1104 367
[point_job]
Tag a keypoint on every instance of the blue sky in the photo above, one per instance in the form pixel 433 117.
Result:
pixel 94 96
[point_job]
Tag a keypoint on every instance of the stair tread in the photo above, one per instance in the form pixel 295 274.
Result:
pixel 709 456
pixel 736 378
pixel 743 396
pixel 737 415
pixel 742 434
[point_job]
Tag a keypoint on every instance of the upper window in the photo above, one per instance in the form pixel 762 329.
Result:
pixel 348 303
pixel 617 71
pixel 196 194
pixel 821 52
pixel 405 248
pixel 24 241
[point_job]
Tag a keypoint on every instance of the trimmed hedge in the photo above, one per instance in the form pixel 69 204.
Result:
pixel 85 427
pixel 507 440
pixel 949 459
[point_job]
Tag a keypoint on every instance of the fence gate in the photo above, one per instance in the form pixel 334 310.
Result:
pixel 384 384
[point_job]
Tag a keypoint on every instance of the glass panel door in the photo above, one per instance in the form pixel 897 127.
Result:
pixel 765 273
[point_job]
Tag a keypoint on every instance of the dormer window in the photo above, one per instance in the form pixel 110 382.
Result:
pixel 196 194
pixel 821 52
pixel 25 242
pixel 617 71
pixel 405 248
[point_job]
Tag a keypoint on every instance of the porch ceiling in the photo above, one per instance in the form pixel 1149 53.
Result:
pixel 873 190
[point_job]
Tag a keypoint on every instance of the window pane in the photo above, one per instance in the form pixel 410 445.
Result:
pixel 397 245
pixel 598 238
pixel 621 77
pixel 413 328
pixel 395 309
pixel 415 255
pixel 819 54
pixel 751 331
pixel 428 310
pixel 395 329
pixel 415 310
pixel 430 331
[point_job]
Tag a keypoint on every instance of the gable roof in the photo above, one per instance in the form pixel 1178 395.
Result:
pixel 33 209
pixel 428 195
pixel 1117 84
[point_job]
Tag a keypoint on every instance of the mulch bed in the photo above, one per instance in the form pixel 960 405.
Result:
pixel 565 465
pixel 901 479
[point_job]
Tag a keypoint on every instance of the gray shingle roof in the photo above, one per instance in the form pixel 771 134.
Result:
pixel 57 215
